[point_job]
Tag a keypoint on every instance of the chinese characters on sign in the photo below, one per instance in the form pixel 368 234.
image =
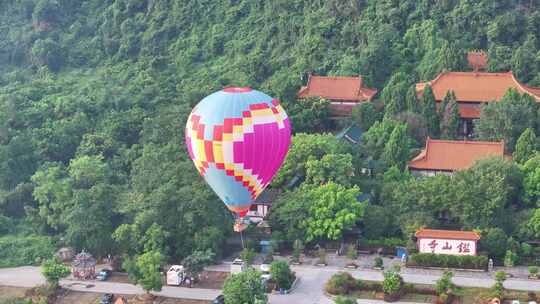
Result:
pixel 442 246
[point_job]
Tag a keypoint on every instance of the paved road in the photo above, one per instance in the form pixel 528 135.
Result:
pixel 309 291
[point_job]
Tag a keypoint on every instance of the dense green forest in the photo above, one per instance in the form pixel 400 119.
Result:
pixel 94 96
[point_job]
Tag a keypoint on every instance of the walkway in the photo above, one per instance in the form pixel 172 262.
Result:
pixel 309 291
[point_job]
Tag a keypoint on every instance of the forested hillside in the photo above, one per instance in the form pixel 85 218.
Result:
pixel 94 96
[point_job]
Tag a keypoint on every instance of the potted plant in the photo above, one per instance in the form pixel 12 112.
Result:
pixel 444 288
pixel 533 272
pixel 352 254
pixel 392 286
pixel 297 251
pixel 378 263
pixel 322 257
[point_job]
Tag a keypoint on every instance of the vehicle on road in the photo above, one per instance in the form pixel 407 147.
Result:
pixel 219 300
pixel 237 266
pixel 107 298
pixel 175 275
pixel 104 274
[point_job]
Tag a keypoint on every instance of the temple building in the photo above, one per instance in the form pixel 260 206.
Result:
pixel 344 93
pixel 473 89
pixel 449 156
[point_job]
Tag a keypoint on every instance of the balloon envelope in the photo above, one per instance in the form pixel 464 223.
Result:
pixel 238 139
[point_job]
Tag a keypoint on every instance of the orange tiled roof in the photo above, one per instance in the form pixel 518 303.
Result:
pixel 451 155
pixel 337 88
pixel 469 112
pixel 447 234
pixel 477 60
pixel 476 86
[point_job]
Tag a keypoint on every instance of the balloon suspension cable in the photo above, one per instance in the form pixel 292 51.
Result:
pixel 239 227
pixel 242 240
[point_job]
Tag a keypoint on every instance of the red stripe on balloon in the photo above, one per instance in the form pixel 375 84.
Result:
pixel 227 125
pixel 200 131
pixel 218 133
pixel 209 151
pixel 258 106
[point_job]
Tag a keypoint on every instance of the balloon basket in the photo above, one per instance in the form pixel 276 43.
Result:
pixel 239 225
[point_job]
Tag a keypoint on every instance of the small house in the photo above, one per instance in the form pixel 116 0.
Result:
pixel 449 156
pixel 344 93
pixel 260 208
pixel 447 241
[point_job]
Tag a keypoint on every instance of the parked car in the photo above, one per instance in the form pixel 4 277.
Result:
pixel 107 298
pixel 104 274
pixel 265 269
pixel 237 266
pixel 219 300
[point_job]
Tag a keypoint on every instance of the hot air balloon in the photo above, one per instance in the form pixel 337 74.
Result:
pixel 238 138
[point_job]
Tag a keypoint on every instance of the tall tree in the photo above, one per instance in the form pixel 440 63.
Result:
pixel 450 117
pixel 531 180
pixel 429 110
pixel 507 119
pixel 394 95
pixel 289 213
pixel 333 209
pixel 411 100
pixel 365 115
pixel 337 168
pixel 304 147
pixel 526 146
pixel 53 270
pixel 397 149
pixel 145 270
pixel 245 287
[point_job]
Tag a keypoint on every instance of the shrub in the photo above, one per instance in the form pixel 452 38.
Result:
pixel 248 255
pixel 322 256
pixel 6 225
pixel 352 253
pixel 533 271
pixel 53 270
pixel 526 250
pixel 341 283
pixel 371 286
pixel 244 287
pixel 344 300
pixel 297 250
pixel 510 259
pixel 378 262
pixel 388 242
pixel 444 285
pixel 448 261
pixel 498 289
pixel 25 250
pixel 281 274
pixel 392 283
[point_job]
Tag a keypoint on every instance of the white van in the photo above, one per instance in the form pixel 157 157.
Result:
pixel 175 275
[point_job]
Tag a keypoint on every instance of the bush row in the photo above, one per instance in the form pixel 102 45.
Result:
pixel 388 242
pixel 342 283
pixel 448 261
pixel 25 250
